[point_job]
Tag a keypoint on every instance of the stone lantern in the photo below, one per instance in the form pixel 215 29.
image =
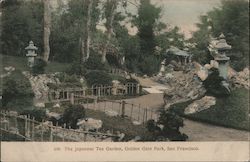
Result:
pixel 31 55
pixel 218 49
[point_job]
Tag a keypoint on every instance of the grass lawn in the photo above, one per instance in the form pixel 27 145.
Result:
pixel 231 111
pixel 20 63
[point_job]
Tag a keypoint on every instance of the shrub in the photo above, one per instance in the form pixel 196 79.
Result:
pixel 71 115
pixel 171 124
pixel 17 92
pixel 39 66
pixel 98 77
pixel 94 63
pixel 213 84
pixel 150 65
pixel 38 114
pixel 76 69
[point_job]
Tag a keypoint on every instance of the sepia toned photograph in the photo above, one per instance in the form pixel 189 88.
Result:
pixel 124 71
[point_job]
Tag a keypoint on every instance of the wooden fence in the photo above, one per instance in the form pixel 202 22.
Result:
pixel 29 129
pixel 135 112
pixel 97 90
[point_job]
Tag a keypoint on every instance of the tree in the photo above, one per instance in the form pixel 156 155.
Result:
pixel 110 8
pixel 20 23
pixel 46 29
pixel 148 15
pixel 232 19
pixel 17 92
pixel 86 40
pixel 146 22
pixel 72 114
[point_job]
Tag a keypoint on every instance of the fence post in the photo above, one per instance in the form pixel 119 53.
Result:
pixel 51 133
pixel 137 88
pixel 64 127
pixel 87 103
pixel 25 126
pixel 99 91
pixel 131 116
pixel 42 131
pixel 143 117
pixel 33 129
pixel 72 98
pixel 146 114
pixel 95 101
pixel 139 112
pixel 123 109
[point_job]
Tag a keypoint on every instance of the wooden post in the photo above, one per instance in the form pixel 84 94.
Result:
pixel 123 109
pixel 33 129
pixel 131 115
pixel 146 117
pixel 72 98
pixel 138 89
pixel 42 131
pixel 64 127
pixel 51 133
pixel 25 126
pixel 139 112
pixel 85 137
pixel 87 103
pixel 119 109
pixel 99 91
pixel 143 117
pixel 95 101
pixel 16 123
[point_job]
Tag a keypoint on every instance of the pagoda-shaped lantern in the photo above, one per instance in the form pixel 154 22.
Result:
pixel 218 49
pixel 31 49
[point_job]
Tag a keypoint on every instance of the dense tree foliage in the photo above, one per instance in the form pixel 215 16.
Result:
pixel 72 114
pixel 21 21
pixel 17 92
pixel 232 19
pixel 167 127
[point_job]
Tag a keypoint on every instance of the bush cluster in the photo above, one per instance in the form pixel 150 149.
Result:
pixel 17 92
pixel 39 66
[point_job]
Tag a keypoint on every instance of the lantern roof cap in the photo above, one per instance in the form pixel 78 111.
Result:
pixel 31 46
pixel 221 44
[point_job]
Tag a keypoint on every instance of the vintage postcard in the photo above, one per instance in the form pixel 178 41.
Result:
pixel 124 80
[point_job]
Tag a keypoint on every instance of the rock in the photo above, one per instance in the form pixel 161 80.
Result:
pixel 137 123
pixel 54 115
pixel 202 73
pixel 111 113
pixel 89 124
pixel 9 68
pixel 57 105
pixel 200 105
pixel 41 105
pixel 241 79
pixel 39 84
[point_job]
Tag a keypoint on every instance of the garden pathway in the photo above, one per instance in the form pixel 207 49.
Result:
pixel 196 131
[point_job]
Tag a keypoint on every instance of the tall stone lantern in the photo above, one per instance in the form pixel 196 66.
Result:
pixel 31 55
pixel 218 49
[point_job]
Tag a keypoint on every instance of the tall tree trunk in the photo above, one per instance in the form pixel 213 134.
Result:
pixel 86 40
pixel 109 26
pixel 46 29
